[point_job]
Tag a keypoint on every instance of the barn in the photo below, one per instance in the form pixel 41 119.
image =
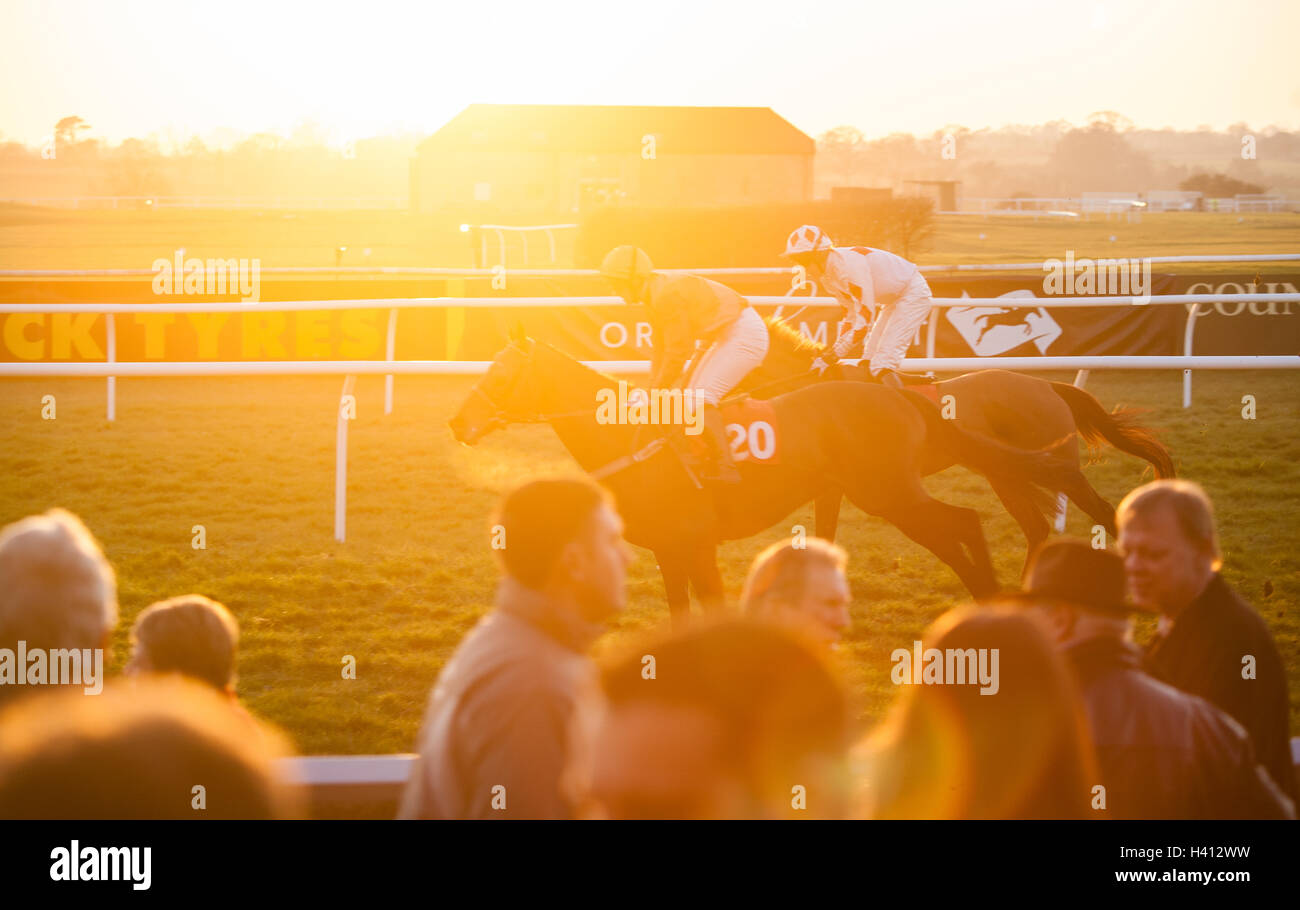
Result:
pixel 539 160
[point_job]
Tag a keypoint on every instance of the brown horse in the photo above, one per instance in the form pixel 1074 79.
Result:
pixel 1022 411
pixel 830 442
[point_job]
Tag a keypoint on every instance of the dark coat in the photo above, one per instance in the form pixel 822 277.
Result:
pixel 1202 654
pixel 1163 753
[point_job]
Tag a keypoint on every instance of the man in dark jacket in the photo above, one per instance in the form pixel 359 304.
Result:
pixel 1161 752
pixel 1210 642
pixel 495 738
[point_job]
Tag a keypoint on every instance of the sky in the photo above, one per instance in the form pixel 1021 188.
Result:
pixel 176 68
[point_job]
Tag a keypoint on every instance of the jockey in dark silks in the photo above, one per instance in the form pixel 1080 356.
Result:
pixel 707 339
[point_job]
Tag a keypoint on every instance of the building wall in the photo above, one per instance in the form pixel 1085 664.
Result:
pixel 549 182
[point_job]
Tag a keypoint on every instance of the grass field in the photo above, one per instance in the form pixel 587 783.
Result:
pixel 32 238
pixel 252 461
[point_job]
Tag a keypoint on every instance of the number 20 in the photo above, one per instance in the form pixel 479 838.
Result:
pixel 757 442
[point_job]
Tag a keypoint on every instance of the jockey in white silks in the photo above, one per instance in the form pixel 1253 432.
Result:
pixel 686 311
pixel 866 281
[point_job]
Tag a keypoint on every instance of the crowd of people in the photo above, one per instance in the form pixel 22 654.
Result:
pixel 1035 704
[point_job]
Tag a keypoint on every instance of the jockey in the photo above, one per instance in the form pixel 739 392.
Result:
pixel 861 278
pixel 687 311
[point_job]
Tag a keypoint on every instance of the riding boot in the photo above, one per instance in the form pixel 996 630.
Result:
pixel 720 466
pixel 891 379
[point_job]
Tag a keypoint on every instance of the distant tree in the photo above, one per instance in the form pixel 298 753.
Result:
pixel 68 131
pixel 1099 157
pixel 910 223
pixel 1218 185
pixel 839 151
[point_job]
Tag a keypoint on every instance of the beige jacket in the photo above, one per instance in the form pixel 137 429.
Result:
pixel 499 715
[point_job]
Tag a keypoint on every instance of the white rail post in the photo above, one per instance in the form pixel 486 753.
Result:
pixel 1188 335
pixel 388 380
pixel 111 333
pixel 930 331
pixel 1063 501
pixel 341 462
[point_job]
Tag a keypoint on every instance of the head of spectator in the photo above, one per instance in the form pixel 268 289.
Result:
pixel 57 591
pixel 563 539
pixel 1078 592
pixel 804 587
pixel 735 719
pixel 164 748
pixel 956 749
pixel 1169 544
pixel 190 635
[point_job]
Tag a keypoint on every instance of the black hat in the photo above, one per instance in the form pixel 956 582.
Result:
pixel 1075 573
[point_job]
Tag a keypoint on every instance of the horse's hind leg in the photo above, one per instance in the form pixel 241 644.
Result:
pixel 952 533
pixel 1085 497
pixel 827 512
pixel 1020 505
pixel 1082 494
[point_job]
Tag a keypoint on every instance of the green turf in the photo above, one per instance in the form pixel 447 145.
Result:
pixel 35 238
pixel 252 460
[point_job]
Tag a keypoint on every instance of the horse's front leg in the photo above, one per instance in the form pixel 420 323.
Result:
pixel 674 567
pixel 826 511
pixel 706 578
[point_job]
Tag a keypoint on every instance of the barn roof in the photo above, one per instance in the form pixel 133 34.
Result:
pixel 614 129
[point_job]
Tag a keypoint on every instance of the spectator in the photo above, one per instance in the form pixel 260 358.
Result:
pixel 138 753
pixel 963 751
pixel 1161 753
pixel 803 587
pixel 739 720
pixel 57 591
pixel 190 635
pixel 494 739
pixel 1210 642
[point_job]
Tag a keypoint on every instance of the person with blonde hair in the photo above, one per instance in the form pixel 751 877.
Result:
pixel 191 635
pixel 57 591
pixel 1210 642
pixel 1015 749
pixel 801 584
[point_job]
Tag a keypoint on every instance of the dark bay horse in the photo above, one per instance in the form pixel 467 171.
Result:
pixel 831 441
pixel 1022 411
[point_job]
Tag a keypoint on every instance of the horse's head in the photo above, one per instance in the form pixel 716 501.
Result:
pixel 504 393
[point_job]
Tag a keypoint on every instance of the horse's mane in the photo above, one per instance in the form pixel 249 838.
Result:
pixel 556 353
pixel 792 340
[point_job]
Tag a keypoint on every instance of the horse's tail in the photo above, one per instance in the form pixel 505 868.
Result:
pixel 1119 427
pixel 1040 469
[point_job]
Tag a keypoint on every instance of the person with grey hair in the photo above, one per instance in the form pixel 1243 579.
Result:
pixel 801 586
pixel 1210 642
pixel 1162 753
pixel 57 591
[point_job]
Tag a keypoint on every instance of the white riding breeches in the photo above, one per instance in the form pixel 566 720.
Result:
pixel 728 360
pixel 895 325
